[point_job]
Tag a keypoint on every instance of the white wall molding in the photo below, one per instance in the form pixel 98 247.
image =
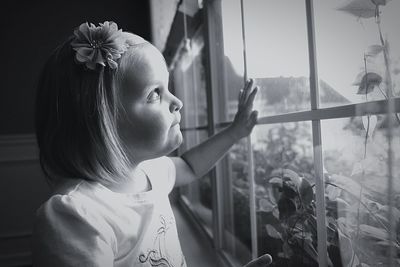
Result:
pixel 21 147
pixel 16 259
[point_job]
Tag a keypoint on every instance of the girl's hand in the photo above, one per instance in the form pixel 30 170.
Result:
pixel 261 261
pixel 245 117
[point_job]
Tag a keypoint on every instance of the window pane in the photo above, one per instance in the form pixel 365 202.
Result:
pixel 351 54
pixel 233 58
pixel 285 207
pixel 356 175
pixel 190 84
pixel 198 193
pixel 277 54
pixel 234 172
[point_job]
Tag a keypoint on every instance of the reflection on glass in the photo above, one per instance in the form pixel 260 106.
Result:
pixel 285 207
pixel 190 84
pixel 358 49
pixel 233 59
pixel 198 193
pixel 356 170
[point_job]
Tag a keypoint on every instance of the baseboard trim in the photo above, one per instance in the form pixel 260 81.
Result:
pixel 18 147
pixel 16 259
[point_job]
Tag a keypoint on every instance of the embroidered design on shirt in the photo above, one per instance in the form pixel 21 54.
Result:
pixel 159 256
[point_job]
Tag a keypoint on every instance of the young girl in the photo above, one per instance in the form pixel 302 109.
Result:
pixel 105 122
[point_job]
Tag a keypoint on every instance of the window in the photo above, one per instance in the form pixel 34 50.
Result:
pixel 318 181
pixel 189 84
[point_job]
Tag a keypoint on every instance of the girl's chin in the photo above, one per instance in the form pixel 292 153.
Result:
pixel 178 140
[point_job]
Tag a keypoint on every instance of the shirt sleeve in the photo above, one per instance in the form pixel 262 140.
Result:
pixel 66 234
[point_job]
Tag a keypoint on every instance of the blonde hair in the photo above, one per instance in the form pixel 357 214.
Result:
pixel 76 117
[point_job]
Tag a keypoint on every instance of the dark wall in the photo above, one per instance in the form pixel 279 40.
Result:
pixel 32 29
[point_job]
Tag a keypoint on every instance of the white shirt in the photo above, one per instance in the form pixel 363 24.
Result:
pixel 87 224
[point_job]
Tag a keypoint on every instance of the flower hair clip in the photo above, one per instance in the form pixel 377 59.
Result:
pixel 102 45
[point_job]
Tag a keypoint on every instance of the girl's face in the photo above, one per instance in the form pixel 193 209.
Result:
pixel 150 128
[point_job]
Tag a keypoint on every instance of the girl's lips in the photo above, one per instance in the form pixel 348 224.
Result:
pixel 177 121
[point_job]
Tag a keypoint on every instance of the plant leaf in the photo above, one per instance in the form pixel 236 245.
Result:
pixel 358 167
pixel 265 205
pixel 359 8
pixel 386 244
pixel 332 192
pixel 289 189
pixel 373 232
pixel 368 83
pixel 306 192
pixel 287 250
pixel 342 205
pixel 369 123
pixel 287 207
pixel 374 50
pixel 276 180
pixel 347 183
pixel 272 232
pixel 346 248
pixel 310 250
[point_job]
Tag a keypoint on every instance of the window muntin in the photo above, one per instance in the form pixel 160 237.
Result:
pixel 349 47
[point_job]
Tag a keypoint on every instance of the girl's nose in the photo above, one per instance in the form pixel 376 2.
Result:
pixel 176 104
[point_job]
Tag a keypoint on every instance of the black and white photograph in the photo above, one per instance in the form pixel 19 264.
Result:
pixel 200 133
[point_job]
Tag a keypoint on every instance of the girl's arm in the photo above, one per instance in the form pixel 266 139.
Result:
pixel 197 161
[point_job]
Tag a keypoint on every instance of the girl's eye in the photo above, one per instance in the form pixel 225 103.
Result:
pixel 154 95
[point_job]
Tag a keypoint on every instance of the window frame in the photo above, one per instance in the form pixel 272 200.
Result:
pixel 213 38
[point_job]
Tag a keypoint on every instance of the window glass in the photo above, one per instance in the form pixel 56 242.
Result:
pixel 198 193
pixel 351 54
pixel 277 54
pixel 233 59
pixel 284 191
pixel 190 83
pixel 234 172
pixel 356 175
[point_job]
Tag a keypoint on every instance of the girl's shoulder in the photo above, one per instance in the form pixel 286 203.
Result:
pixel 79 198
pixel 71 221
pixel 69 196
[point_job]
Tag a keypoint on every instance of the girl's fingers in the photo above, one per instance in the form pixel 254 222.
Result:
pixel 253 118
pixel 245 92
pixel 248 88
pixel 263 260
pixel 250 99
pixel 240 97
pixel 252 95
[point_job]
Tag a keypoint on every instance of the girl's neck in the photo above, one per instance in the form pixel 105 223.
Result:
pixel 138 182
